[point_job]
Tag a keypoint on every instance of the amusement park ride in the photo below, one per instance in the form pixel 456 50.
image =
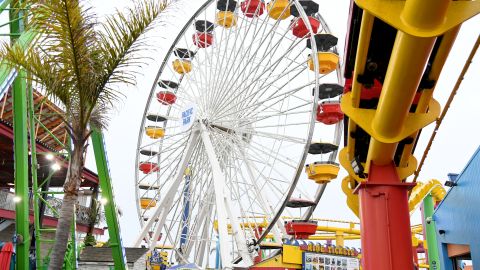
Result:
pixel 242 126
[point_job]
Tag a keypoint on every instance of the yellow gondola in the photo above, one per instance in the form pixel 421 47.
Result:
pixel 226 19
pixel 182 66
pixel 155 132
pixel 278 9
pixel 322 172
pixel 147 203
pixel 327 62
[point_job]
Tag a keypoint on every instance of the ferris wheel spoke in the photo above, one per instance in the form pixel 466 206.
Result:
pixel 260 95
pixel 248 58
pixel 274 27
pixel 250 95
pixel 245 76
pixel 268 59
pixel 264 201
pixel 214 80
pixel 271 68
pixel 272 99
pixel 249 86
pixel 203 211
pixel 202 221
pixel 230 62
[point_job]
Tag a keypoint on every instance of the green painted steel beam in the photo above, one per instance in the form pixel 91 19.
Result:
pixel 430 232
pixel 118 252
pixel 33 167
pixel 20 143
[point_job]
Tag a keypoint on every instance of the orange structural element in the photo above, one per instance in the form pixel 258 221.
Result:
pixel 252 8
pixel 301 229
pixel 148 167
pixel 329 113
pixel 166 97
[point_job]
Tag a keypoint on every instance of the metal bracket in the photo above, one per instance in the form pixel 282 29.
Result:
pixel 413 122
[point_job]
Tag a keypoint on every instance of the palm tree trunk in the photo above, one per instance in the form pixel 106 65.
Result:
pixel 94 212
pixel 71 187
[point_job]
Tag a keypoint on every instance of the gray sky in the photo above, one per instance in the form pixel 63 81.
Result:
pixel 456 141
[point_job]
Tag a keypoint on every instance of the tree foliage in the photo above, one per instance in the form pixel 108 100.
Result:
pixel 80 63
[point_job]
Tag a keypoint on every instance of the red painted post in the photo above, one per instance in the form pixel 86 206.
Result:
pixel 258 258
pixel 415 256
pixel 385 220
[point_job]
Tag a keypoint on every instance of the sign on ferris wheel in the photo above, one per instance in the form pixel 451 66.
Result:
pixel 188 116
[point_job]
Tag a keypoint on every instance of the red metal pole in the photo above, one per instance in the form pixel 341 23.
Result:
pixel 258 258
pixel 415 256
pixel 385 220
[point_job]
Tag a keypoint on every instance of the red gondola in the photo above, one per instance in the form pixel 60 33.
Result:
pixel 301 229
pixel 148 167
pixel 300 30
pixel 329 113
pixel 166 97
pixel 252 8
pixel 203 39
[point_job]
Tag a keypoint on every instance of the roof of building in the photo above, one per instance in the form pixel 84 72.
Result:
pixel 50 117
pixel 104 254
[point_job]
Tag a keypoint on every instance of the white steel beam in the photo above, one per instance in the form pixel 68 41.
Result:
pixel 222 200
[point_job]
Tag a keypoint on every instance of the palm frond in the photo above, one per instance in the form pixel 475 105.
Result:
pixel 121 41
pixel 68 37
pixel 81 65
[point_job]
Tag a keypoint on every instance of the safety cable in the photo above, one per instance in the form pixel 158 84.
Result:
pixel 447 106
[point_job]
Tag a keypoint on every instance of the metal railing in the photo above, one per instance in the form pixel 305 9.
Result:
pixel 7 202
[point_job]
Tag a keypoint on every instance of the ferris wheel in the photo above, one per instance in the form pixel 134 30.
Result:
pixel 228 127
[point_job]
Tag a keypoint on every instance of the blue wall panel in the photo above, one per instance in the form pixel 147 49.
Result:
pixel 458 215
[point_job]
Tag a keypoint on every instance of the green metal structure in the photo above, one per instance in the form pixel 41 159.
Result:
pixel 118 252
pixel 431 236
pixel 22 246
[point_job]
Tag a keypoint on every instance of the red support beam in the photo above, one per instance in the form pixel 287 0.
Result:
pixel 385 220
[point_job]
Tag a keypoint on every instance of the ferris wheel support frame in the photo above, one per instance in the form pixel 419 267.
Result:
pixel 222 198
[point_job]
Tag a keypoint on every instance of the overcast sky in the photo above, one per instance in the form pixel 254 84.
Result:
pixel 456 141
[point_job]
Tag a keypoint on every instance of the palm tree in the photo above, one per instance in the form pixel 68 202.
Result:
pixel 80 63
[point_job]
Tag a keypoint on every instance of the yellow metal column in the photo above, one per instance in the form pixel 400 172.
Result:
pixel 339 239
